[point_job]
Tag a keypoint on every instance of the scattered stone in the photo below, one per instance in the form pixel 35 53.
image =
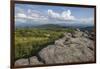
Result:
pixel 22 62
pixel 34 61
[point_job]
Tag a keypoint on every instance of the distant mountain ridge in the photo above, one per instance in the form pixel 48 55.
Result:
pixel 89 28
pixel 61 25
pixel 49 26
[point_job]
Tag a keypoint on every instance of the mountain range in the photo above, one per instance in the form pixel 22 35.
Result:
pixel 59 25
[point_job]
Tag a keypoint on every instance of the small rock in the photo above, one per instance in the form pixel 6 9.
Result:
pixel 34 61
pixel 21 62
pixel 77 34
pixel 78 30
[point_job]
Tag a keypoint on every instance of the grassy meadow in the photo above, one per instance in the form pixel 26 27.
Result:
pixel 28 41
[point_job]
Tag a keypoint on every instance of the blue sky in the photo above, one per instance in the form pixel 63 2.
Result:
pixel 45 14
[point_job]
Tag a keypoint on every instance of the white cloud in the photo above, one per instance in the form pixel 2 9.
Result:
pixel 22 20
pixel 18 9
pixel 64 15
pixel 50 17
pixel 29 11
pixel 21 15
pixel 53 14
pixel 86 20
pixel 31 15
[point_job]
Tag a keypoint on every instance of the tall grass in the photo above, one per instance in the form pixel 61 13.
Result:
pixel 29 41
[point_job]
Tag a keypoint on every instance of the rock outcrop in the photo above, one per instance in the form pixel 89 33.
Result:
pixel 72 48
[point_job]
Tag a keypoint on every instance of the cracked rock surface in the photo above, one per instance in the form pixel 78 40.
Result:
pixel 72 48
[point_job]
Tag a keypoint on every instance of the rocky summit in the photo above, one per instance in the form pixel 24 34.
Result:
pixel 74 47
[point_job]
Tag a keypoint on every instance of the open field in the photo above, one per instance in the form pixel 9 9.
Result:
pixel 28 41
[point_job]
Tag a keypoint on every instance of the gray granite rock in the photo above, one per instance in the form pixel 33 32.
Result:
pixel 72 48
pixel 22 62
pixel 69 50
pixel 34 61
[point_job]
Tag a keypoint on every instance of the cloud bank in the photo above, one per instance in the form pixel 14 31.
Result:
pixel 50 16
pixel 64 15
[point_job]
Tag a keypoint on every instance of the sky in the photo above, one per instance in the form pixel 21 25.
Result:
pixel 45 14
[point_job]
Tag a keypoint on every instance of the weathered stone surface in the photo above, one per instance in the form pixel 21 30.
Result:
pixel 29 61
pixel 72 48
pixel 34 61
pixel 22 62
pixel 69 50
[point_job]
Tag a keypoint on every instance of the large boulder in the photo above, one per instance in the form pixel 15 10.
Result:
pixel 75 49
